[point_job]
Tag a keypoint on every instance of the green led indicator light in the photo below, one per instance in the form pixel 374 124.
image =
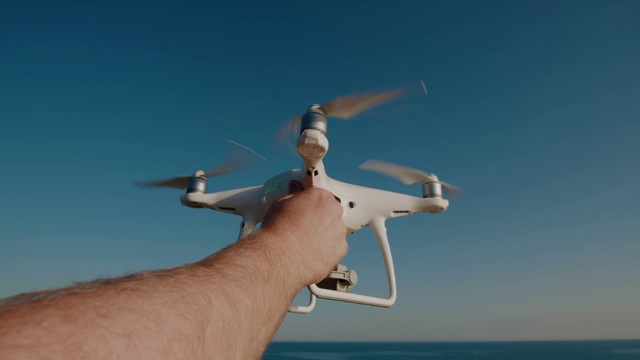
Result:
pixel 277 186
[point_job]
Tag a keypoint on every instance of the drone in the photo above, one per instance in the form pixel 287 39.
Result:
pixel 362 206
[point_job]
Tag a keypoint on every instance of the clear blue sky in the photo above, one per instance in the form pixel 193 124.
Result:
pixel 533 109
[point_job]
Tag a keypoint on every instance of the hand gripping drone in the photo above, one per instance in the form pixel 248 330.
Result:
pixel 362 206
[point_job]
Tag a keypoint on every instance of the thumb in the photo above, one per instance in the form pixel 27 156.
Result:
pixel 295 187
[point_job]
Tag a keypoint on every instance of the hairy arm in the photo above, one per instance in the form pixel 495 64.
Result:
pixel 228 305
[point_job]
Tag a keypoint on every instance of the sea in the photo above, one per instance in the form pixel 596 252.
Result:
pixel 525 350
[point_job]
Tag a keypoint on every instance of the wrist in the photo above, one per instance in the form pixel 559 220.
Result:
pixel 260 258
pixel 285 258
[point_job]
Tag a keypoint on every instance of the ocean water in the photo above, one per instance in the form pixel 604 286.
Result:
pixel 525 350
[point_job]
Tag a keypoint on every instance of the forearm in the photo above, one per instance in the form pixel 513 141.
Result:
pixel 122 318
pixel 226 306
pixel 254 287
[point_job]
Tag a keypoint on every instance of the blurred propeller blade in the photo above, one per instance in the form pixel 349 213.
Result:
pixel 452 189
pixel 290 130
pixel 405 174
pixel 241 157
pixel 348 106
pixel 179 183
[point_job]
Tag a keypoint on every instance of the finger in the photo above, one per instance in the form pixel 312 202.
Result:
pixel 295 187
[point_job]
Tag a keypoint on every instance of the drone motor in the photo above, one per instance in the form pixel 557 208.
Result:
pixel 432 188
pixel 314 118
pixel 197 183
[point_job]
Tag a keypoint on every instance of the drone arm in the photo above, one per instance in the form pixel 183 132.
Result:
pixel 380 231
pixel 237 201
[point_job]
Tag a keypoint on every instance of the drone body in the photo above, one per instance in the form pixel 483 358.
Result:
pixel 362 206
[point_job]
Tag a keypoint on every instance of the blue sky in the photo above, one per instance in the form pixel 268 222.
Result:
pixel 532 109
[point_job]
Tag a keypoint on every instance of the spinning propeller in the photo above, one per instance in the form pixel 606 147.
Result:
pixel 241 157
pixel 408 175
pixel 348 106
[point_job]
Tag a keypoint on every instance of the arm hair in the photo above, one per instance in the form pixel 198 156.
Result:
pixel 228 305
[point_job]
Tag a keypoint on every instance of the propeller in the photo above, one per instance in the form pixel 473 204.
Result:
pixel 407 175
pixel 241 157
pixel 348 106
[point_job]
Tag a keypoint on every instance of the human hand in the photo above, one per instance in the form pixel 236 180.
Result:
pixel 308 225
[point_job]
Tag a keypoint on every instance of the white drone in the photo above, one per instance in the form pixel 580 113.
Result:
pixel 362 206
